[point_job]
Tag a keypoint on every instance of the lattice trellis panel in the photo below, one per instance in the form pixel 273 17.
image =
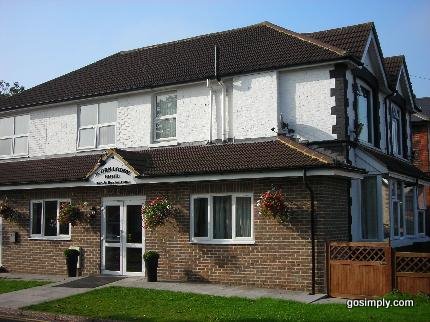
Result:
pixel 357 253
pixel 413 264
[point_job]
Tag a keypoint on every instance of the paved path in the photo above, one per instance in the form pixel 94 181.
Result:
pixel 39 294
pixel 219 290
pixel 53 291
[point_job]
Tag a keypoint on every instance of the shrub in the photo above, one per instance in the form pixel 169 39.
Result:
pixel 150 254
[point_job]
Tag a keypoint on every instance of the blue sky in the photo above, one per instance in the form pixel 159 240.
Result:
pixel 40 40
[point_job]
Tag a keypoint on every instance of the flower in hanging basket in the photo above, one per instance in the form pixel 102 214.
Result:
pixel 273 203
pixel 89 213
pixel 7 212
pixel 69 214
pixel 155 212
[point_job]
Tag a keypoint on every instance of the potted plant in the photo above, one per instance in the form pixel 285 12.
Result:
pixel 151 264
pixel 72 256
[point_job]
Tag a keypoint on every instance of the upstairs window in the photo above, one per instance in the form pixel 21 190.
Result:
pixel 224 218
pixel 396 131
pixel 97 125
pixel 165 117
pixel 14 135
pixel 364 115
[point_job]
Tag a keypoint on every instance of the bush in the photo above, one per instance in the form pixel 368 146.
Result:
pixel 150 254
pixel 71 252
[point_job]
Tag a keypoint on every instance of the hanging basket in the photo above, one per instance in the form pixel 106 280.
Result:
pixel 155 212
pixel 7 212
pixel 273 203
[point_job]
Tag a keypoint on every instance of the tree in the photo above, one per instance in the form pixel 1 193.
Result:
pixel 6 89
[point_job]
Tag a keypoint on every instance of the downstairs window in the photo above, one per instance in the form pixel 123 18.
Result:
pixel 44 220
pixel 226 218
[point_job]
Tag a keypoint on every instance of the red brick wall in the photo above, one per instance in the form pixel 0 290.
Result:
pixel 280 257
pixel 420 145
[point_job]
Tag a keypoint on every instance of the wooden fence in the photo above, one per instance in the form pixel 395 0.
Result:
pixel 359 269
pixel 412 272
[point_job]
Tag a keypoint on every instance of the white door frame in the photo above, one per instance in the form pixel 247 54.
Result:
pixel 122 202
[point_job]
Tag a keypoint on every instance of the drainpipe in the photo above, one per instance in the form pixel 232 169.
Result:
pixel 208 84
pixel 386 120
pixel 221 83
pixel 312 197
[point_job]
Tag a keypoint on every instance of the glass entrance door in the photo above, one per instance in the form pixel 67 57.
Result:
pixel 122 246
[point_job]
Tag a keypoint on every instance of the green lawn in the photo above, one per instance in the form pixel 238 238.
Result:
pixel 10 285
pixel 153 305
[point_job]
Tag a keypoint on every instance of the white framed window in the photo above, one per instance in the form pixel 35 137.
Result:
pixel 365 115
pixel 44 220
pixel 164 119
pixel 422 208
pixel 222 218
pixel 14 135
pixel 97 123
pixel 396 131
pixel 410 200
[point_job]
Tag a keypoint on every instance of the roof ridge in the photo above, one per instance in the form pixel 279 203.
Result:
pixel 122 52
pixel 305 38
pixel 370 23
pixel 305 150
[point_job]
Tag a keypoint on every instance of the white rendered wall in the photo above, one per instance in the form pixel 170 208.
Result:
pixel 53 130
pixel 134 121
pixel 305 102
pixel 255 109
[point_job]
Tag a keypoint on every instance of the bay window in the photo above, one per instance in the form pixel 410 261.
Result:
pixel 14 135
pixel 222 218
pixel 44 220
pixel 164 121
pixel 369 208
pixel 97 125
pixel 410 210
pixel 422 207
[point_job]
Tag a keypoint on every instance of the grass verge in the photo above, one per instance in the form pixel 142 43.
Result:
pixel 153 305
pixel 10 285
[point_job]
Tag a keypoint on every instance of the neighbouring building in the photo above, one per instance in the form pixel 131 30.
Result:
pixel 212 122
pixel 421 144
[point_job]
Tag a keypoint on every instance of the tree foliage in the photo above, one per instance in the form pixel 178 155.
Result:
pixel 7 89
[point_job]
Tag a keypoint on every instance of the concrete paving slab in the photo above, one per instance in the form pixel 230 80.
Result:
pixel 219 290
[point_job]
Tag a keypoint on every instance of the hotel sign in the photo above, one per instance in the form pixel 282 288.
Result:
pixel 113 172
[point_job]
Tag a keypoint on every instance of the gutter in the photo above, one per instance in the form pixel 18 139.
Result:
pixel 313 228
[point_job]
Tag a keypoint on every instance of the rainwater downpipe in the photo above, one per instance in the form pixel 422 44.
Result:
pixel 312 197
pixel 208 84
pixel 221 83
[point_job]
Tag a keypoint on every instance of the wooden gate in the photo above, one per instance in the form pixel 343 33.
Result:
pixel 412 272
pixel 359 269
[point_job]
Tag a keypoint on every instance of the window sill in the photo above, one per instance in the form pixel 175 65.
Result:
pixel 223 242
pixel 53 238
pixel 101 148
pixel 17 156
pixel 163 143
